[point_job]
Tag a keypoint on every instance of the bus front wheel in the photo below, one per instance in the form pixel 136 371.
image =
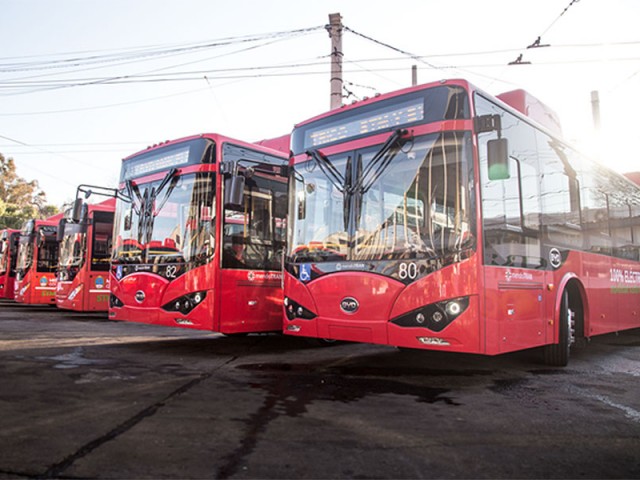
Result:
pixel 557 355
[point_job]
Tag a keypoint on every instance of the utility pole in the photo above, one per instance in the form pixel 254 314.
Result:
pixel 335 33
pixel 595 109
pixel 595 112
pixel 414 75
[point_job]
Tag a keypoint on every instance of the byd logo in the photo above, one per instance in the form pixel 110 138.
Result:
pixel 139 296
pixel 349 305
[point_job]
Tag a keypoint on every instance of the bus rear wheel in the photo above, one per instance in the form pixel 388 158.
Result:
pixel 557 355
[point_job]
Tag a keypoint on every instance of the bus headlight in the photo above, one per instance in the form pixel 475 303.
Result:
pixel 185 303
pixel 294 310
pixel 115 301
pixel 435 316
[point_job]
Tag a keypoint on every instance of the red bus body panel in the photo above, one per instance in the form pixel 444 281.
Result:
pixel 236 301
pixel 91 287
pixel 7 278
pixel 37 288
pixel 509 309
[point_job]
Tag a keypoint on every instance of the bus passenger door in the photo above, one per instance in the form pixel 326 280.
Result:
pixel 253 239
pixel 511 221
pixel 515 308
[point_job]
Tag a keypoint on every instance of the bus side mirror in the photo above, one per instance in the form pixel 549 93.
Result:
pixel 498 159
pixel 234 191
pixel 76 214
pixel 60 232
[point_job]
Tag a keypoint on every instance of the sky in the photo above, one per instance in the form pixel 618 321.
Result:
pixel 85 83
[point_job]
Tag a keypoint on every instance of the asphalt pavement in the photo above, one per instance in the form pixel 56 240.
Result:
pixel 85 397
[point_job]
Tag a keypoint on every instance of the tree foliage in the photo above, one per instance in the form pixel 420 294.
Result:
pixel 20 200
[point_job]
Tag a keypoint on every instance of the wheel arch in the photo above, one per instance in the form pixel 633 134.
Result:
pixel 578 301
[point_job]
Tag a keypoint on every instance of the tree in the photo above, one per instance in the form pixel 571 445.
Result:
pixel 20 200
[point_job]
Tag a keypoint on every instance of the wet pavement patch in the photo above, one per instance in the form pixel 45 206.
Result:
pixel 297 385
pixel 73 359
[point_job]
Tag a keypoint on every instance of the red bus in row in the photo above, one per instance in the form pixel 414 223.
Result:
pixel 37 262
pixel 9 239
pixel 85 251
pixel 199 234
pixel 440 217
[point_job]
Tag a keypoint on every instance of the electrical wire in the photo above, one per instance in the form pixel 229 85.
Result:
pixel 537 43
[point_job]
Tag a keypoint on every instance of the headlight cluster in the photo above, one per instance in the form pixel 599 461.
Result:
pixel 185 303
pixel 435 316
pixel 295 310
pixel 115 301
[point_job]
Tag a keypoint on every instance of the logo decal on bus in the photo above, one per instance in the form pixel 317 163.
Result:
pixel 305 272
pixel 349 305
pixel 140 296
pixel 555 258
pixel 99 282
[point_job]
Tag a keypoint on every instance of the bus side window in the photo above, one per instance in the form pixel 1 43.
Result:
pixel 511 196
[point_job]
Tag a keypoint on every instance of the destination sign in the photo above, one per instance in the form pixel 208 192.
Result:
pixel 383 118
pixel 162 161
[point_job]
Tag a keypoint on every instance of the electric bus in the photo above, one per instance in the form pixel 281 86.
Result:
pixel 37 262
pixel 8 256
pixel 199 234
pixel 85 251
pixel 440 217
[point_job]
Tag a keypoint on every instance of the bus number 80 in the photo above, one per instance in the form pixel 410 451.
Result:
pixel 408 271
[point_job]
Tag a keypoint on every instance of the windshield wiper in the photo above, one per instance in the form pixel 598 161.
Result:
pixel 380 161
pixel 328 168
pixel 144 204
pixel 134 194
pixel 171 175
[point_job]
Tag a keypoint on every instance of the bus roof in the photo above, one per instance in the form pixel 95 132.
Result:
pixel 519 100
pixel 460 82
pixel 218 138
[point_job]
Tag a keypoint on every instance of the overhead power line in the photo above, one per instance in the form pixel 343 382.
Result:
pixel 537 43
pixel 145 52
pixel 396 49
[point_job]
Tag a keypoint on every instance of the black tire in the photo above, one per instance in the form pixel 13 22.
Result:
pixel 557 355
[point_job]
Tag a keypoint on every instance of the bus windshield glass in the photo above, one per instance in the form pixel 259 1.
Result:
pixel 166 224
pixel 25 253
pixel 413 201
pixel 73 245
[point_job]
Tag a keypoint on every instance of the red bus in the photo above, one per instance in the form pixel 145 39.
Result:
pixel 37 262
pixel 199 241
pixel 8 256
pixel 85 251
pixel 439 217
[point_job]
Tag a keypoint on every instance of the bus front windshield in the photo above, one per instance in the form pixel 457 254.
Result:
pixel 47 261
pixel 409 201
pixel 25 253
pixel 73 246
pixel 166 224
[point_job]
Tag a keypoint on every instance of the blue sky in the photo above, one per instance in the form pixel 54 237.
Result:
pixel 85 83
